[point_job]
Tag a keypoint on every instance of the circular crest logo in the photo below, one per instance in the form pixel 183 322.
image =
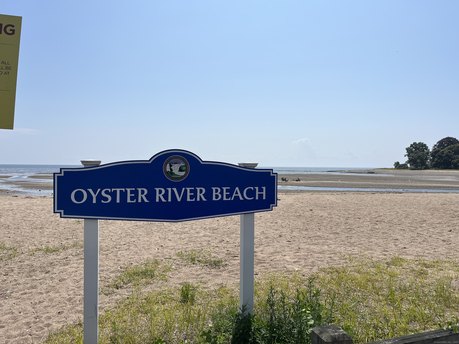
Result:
pixel 176 168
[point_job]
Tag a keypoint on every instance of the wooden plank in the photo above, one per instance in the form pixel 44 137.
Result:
pixel 431 337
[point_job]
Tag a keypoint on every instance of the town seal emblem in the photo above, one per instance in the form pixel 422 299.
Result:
pixel 176 168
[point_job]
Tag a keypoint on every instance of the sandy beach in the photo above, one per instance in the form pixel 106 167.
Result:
pixel 41 255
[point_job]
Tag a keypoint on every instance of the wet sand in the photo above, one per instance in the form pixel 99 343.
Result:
pixel 377 178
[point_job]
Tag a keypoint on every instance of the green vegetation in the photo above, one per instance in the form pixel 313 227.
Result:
pixel 378 300
pixel 161 317
pixel 7 252
pixel 444 155
pixel 371 300
pixel 201 257
pixel 418 155
pixel 135 275
pixel 188 293
pixel 47 249
pixel 399 166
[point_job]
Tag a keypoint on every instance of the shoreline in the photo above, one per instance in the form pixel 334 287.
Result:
pixel 370 180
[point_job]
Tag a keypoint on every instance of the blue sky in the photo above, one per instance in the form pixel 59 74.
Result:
pixel 283 83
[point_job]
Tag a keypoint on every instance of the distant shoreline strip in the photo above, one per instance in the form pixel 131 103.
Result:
pixel 378 190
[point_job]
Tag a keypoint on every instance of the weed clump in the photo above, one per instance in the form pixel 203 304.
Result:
pixel 201 257
pixel 7 252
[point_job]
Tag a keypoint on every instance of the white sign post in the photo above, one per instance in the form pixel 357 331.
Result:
pixel 91 275
pixel 246 292
pixel 247 257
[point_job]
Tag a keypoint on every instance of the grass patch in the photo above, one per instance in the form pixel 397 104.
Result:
pixel 70 334
pixel 201 257
pixel 192 315
pixel 377 300
pixel 7 252
pixel 371 300
pixel 144 273
pixel 50 249
pixel 158 317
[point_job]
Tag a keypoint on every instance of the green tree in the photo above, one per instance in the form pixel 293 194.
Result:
pixel 443 154
pixel 399 166
pixel 454 151
pixel 418 155
pixel 448 158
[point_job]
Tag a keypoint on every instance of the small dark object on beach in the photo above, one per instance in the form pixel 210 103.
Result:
pixel 284 179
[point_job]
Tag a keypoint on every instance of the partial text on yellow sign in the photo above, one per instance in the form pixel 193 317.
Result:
pixel 10 32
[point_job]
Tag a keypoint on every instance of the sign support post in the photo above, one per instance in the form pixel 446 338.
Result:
pixel 247 258
pixel 91 275
pixel 246 292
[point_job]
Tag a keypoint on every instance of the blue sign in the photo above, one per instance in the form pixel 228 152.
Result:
pixel 174 185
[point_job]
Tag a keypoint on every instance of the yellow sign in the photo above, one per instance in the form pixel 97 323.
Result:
pixel 10 32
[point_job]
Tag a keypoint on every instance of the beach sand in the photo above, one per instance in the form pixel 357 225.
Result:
pixel 41 255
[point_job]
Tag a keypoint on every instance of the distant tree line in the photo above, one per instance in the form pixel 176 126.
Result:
pixel 444 155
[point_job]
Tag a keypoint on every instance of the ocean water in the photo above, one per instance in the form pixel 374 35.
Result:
pixel 25 171
pixel 15 178
pixel 28 170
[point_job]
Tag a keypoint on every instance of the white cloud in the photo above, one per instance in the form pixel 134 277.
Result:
pixel 301 141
